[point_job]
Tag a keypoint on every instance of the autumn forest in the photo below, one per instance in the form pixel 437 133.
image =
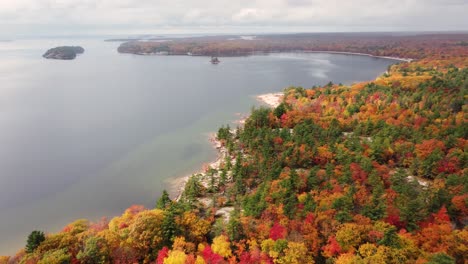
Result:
pixel 374 172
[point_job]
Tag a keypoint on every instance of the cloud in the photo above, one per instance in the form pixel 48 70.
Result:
pixel 124 16
pixel 247 15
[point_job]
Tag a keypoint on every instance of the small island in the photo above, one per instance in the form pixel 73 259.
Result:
pixel 63 53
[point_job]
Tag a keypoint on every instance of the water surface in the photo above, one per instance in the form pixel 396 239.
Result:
pixel 90 137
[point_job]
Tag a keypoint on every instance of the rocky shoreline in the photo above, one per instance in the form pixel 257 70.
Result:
pixel 213 169
pixel 178 184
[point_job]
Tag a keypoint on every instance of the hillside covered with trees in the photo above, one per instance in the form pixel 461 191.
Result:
pixel 374 172
pixel 409 45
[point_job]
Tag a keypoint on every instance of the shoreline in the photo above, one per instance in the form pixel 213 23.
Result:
pixel 177 184
pixel 276 52
pixel 273 100
pixel 360 54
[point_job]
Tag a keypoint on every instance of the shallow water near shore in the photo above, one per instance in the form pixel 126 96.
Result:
pixel 90 137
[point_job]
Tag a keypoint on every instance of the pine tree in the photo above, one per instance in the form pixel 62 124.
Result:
pixel 234 227
pixel 34 240
pixel 163 201
pixel 169 226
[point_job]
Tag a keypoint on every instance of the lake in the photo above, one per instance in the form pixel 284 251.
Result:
pixel 88 138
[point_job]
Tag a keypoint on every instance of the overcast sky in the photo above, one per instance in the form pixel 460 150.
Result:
pixel 66 17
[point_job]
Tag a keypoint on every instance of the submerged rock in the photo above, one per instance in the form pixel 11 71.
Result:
pixel 63 53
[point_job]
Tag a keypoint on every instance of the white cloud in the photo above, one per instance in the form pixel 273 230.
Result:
pixel 224 15
pixel 246 15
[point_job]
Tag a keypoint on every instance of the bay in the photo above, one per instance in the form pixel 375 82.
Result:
pixel 90 137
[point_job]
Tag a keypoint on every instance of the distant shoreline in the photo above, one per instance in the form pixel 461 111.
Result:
pixel 362 54
pixel 258 53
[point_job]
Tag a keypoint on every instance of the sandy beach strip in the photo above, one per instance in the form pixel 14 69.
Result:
pixel 177 184
pixel 359 54
pixel 271 99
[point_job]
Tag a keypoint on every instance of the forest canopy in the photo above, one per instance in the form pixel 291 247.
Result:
pixel 373 172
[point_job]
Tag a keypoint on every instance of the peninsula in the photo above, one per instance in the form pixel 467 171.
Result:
pixel 372 172
pixel 370 44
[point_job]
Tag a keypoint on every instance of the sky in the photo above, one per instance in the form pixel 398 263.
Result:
pixel 127 17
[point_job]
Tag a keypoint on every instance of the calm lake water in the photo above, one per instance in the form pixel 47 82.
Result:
pixel 90 137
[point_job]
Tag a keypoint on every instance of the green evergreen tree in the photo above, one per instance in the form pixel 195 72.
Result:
pixel 169 226
pixel 34 240
pixel 163 201
pixel 390 238
pixel 234 227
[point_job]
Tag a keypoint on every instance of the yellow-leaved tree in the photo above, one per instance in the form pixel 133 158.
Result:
pixel 175 257
pixel 221 246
